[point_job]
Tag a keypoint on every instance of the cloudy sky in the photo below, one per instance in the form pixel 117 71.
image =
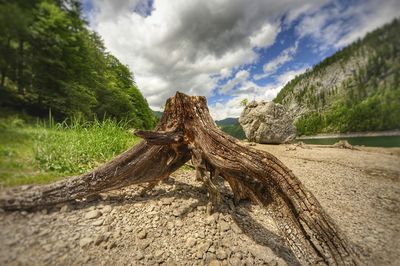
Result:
pixel 228 50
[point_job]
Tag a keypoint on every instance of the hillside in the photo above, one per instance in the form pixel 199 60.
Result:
pixel 50 60
pixel 232 127
pixel 356 89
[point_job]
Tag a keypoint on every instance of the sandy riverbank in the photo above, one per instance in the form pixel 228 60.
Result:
pixel 360 189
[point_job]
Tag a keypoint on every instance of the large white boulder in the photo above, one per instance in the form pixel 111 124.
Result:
pixel 267 122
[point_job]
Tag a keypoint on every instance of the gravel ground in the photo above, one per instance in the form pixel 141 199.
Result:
pixel 359 189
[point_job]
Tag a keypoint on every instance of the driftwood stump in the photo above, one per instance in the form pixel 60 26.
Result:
pixel 187 131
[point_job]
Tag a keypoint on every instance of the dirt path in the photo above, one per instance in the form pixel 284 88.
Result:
pixel 359 189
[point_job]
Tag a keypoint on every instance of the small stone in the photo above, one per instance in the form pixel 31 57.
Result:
pixel 199 255
pixel 144 244
pixel 214 263
pixel 280 262
pixel 84 242
pixel 98 222
pixel 235 261
pixel 170 225
pixel 210 220
pixel 93 214
pixel 221 254
pixel 179 223
pixel 99 239
pixel 139 255
pixel 190 242
pixel 179 211
pixel 107 209
pixel 142 234
pixel 65 208
pixel 167 201
pixel 262 253
pixel 24 213
pixel 158 253
pixel 224 226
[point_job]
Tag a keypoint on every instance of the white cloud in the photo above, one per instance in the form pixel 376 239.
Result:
pixel 369 17
pixel 251 91
pixel 186 45
pixel 265 37
pixel 272 66
pixel 239 78
pixel 339 25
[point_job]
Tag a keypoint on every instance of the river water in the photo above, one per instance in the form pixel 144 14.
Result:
pixel 375 141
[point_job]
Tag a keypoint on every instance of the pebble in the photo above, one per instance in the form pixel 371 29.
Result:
pixel 93 214
pixel 221 254
pixel 214 263
pixel 65 208
pixel 107 209
pixel 235 261
pixel 261 252
pixel 190 242
pixel 142 234
pixel 224 226
pixel 84 242
pixel 179 211
pixel 139 255
pixel 98 222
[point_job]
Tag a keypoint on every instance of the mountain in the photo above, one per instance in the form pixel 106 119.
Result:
pixel 227 121
pixel 158 114
pixel 232 127
pixel 354 90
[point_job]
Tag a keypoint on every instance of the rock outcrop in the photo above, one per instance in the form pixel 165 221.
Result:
pixel 267 122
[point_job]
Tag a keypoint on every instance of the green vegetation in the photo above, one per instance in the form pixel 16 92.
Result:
pixel 378 112
pixel 232 127
pixel 45 152
pixel 50 60
pixel 369 100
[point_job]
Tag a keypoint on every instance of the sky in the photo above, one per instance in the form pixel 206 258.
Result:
pixel 228 50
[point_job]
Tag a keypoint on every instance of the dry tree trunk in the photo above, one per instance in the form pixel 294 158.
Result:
pixel 187 131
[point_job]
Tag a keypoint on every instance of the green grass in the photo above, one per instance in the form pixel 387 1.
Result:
pixel 47 151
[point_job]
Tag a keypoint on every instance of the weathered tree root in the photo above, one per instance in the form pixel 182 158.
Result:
pixel 187 131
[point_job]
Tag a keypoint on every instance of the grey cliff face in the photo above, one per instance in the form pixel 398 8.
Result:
pixel 267 122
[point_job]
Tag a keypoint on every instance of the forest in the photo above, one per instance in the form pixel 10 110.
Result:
pixel 368 100
pixel 51 62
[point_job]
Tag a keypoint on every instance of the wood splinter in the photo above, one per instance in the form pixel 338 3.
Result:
pixel 187 131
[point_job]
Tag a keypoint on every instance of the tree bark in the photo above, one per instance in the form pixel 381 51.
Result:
pixel 187 131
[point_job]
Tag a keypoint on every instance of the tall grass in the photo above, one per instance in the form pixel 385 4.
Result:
pixel 76 146
pixel 45 151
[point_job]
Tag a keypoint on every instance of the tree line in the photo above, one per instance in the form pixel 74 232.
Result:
pixel 366 101
pixel 50 60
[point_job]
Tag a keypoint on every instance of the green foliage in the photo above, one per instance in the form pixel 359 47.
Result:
pixel 234 130
pixel 232 127
pixel 44 152
pixel 50 60
pixel 74 147
pixel 244 102
pixel 380 111
pixel 368 100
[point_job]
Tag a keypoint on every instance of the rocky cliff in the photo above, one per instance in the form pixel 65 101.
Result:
pixel 356 89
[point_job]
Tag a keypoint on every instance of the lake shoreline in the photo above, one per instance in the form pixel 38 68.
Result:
pixel 386 133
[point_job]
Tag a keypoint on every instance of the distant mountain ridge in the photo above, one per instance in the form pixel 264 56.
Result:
pixel 231 126
pixel 356 89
